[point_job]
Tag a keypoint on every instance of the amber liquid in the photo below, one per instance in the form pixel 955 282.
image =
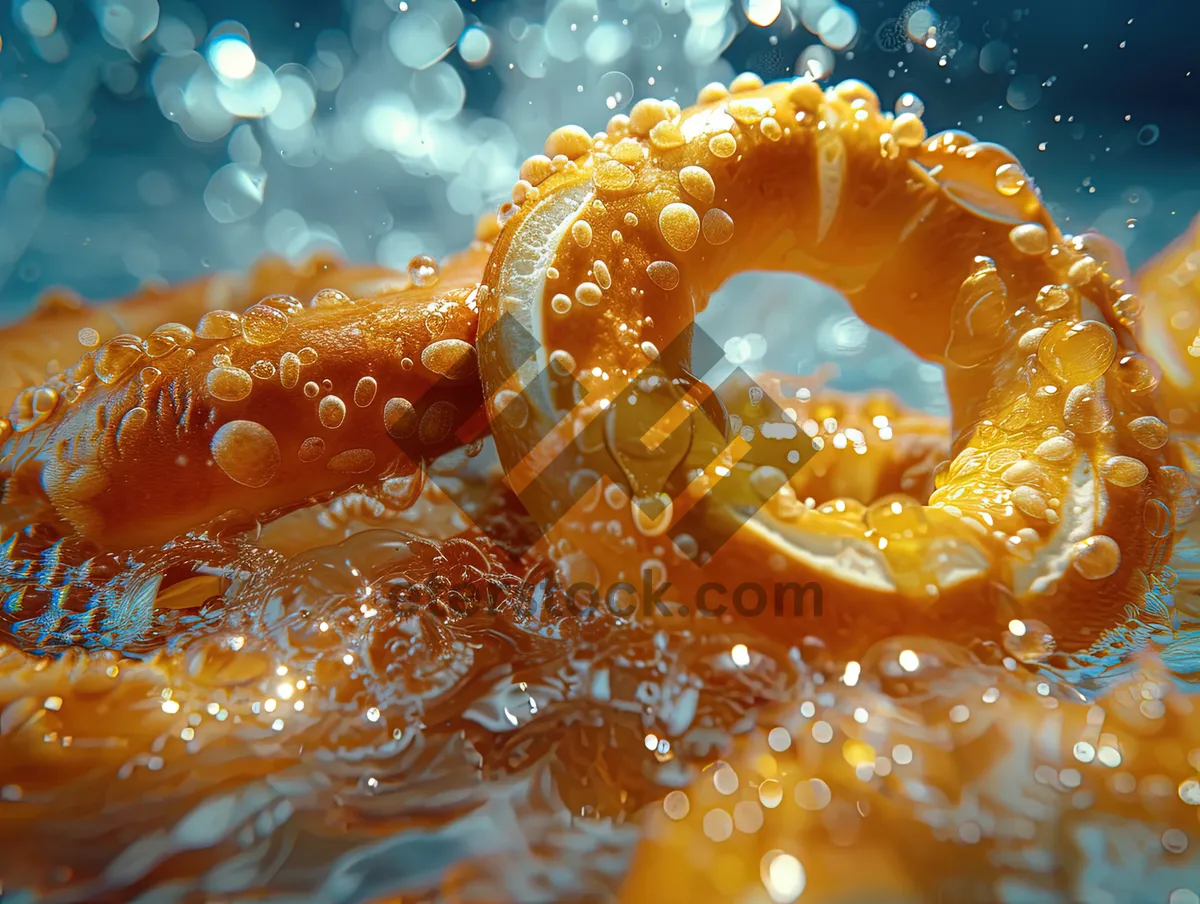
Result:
pixel 360 703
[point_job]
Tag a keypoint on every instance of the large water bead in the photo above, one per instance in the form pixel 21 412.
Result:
pixel 1138 373
pixel 1010 179
pixel 908 130
pixel 1078 352
pixel 698 183
pixel 331 411
pixel 247 452
pixel 1051 298
pixel 980 317
pixel 1087 409
pixel 166 338
pixel 1030 501
pixel 1056 448
pixel 229 384
pixel 1124 471
pixel 679 225
pixel 263 324
pixel 453 359
pixel 116 357
pixel 1030 238
pixel 571 142
pixel 1128 308
pixel 1096 557
pixel 1150 431
pixel 1029 640
pixel 219 325
pixel 611 175
pixel 645 115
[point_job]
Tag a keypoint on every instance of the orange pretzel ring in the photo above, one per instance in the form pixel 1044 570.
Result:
pixel 1062 487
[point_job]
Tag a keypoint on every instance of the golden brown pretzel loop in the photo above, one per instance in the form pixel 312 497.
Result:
pixel 1055 507
pixel 50 338
pixel 143 440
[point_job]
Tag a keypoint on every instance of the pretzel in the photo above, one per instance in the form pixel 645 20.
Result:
pixel 1041 519
pixel 1061 488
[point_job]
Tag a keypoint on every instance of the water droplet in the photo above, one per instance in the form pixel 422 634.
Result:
pixel 352 461
pixel 229 384
pixel 311 449
pixel 663 274
pixel 1032 643
pixel 437 423
pixel 1158 518
pixel 399 418
pixel 816 62
pixel 453 359
pixel 616 90
pixel 247 452
pixel 611 175
pixel 262 370
pixel 423 271
pixel 588 293
pixel 1124 471
pixel 116 357
pixel 581 232
pixel 166 339
pixel 717 227
pixel 263 324
pixel 1138 373
pixel 1078 352
pixel 910 103
pixel 1030 238
pixel 1051 298
pixel 289 370
pixel 679 225
pixel 723 145
pixel 364 391
pixel 1149 431
pixel 563 362
pixel 329 298
pixel 1096 557
pixel 1087 409
pixel 1010 179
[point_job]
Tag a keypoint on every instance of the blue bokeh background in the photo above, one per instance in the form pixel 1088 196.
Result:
pixel 382 143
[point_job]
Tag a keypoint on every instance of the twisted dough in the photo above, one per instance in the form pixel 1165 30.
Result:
pixel 1061 498
pixel 1060 491
pixel 262 410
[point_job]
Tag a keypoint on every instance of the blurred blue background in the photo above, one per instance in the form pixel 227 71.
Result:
pixel 147 141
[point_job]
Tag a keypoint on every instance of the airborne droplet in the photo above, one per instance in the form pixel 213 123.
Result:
pixel 423 271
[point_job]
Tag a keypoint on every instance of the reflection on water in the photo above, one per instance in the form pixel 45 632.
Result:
pixel 389 715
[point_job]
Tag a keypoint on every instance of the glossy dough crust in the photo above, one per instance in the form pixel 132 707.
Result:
pixel 1033 531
